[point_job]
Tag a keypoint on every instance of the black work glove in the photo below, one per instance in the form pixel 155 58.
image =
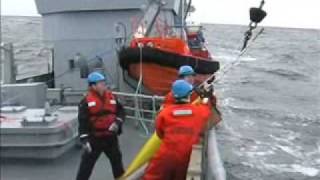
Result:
pixel 84 140
pixel 206 91
pixel 116 126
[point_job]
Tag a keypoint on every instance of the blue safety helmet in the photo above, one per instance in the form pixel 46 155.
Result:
pixel 95 77
pixel 181 89
pixel 186 71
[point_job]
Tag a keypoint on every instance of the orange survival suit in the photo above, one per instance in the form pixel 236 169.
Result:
pixel 169 100
pixel 179 126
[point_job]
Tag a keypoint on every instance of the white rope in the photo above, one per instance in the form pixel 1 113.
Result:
pixel 137 92
pixel 223 71
pixel 215 165
pixel 138 89
pixel 237 60
pixel 220 74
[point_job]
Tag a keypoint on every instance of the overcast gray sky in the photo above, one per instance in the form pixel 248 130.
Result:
pixel 284 13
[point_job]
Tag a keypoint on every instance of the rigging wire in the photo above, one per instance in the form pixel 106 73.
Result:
pixel 237 60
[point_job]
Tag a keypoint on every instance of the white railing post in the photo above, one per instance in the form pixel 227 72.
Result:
pixel 9 72
pixel 215 169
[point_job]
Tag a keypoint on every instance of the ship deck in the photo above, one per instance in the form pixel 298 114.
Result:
pixel 66 166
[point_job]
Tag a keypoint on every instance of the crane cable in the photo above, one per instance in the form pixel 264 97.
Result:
pixel 256 16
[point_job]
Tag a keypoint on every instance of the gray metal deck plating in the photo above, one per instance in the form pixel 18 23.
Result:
pixel 65 167
pixel 27 133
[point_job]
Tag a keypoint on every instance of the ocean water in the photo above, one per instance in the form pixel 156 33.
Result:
pixel 270 101
pixel 31 58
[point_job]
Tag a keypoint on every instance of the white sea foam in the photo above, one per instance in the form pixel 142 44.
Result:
pixel 309 171
pixel 249 123
pixel 292 168
pixel 248 59
pixel 253 154
pixel 276 124
pixel 227 102
pixel 289 150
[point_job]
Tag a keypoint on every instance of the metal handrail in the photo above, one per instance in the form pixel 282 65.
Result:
pixel 144 116
pixel 139 112
pixel 138 95
pixel 215 168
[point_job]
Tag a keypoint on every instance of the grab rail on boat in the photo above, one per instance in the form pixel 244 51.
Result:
pixel 205 161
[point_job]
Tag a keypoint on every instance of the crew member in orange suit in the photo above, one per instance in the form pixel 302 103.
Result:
pixel 179 125
pixel 186 73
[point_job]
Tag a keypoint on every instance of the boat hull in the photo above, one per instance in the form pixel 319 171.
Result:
pixel 158 79
pixel 160 68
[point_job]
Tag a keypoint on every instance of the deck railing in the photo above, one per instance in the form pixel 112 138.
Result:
pixel 8 70
pixel 140 109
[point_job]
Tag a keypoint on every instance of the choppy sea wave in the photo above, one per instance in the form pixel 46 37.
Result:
pixel 270 103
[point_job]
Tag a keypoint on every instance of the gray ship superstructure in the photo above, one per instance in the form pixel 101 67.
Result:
pixel 88 29
pixel 80 34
